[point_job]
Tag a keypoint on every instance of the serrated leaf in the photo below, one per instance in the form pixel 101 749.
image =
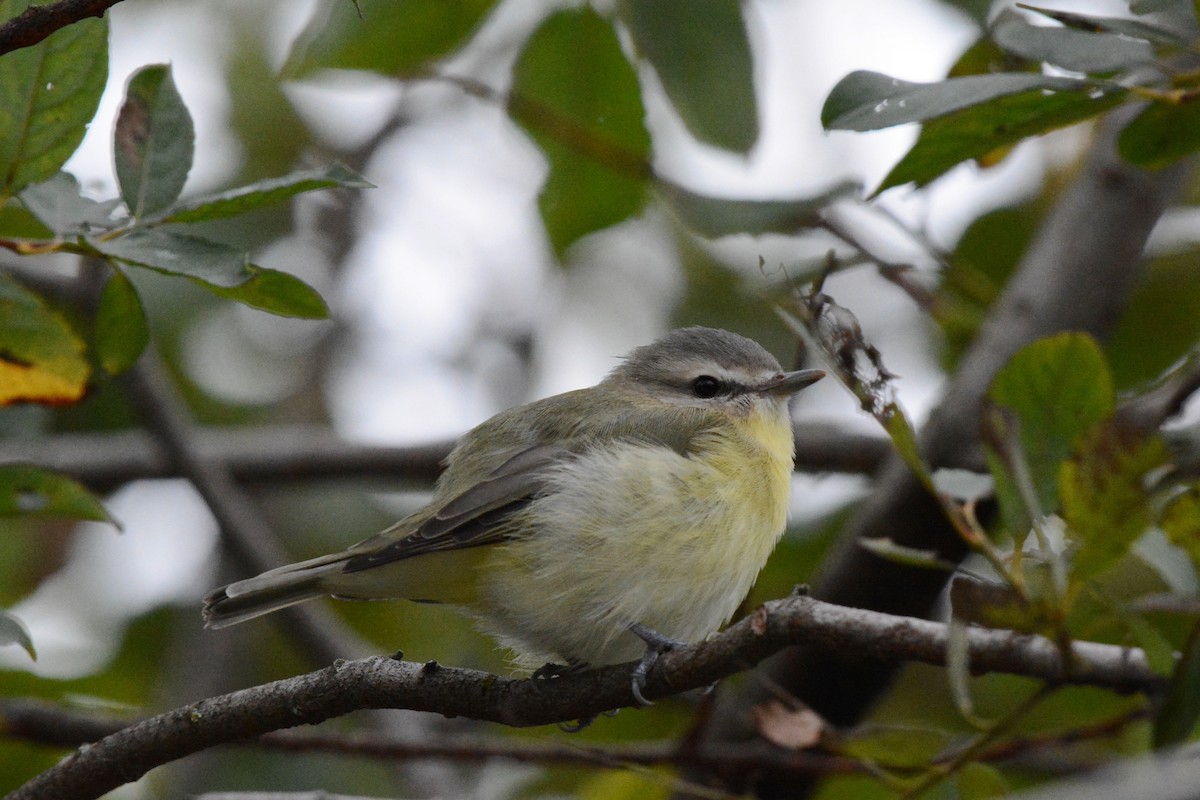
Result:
pixel 28 490
pixel 869 101
pixel 910 556
pixel 1180 709
pixel 41 358
pixel 714 217
pixel 262 194
pixel 153 142
pixel 1076 50
pixel 1104 499
pixel 120 333
pixel 975 132
pixel 580 100
pixel 1058 387
pixel 1161 134
pixel 220 268
pixel 48 94
pixel 700 51
pixel 59 205
pixel 13 631
pixel 384 36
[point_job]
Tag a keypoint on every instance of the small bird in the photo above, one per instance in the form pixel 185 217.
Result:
pixel 592 527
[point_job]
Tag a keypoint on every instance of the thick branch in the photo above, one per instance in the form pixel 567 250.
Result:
pixel 381 682
pixel 37 22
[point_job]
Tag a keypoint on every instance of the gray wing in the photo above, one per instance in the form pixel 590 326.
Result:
pixel 474 517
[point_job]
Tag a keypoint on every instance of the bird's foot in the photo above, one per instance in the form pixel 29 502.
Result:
pixel 656 645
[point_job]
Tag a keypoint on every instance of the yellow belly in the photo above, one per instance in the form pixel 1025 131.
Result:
pixel 635 533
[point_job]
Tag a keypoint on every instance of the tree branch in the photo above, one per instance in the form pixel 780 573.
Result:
pixel 38 22
pixel 381 682
pixel 104 461
pixel 244 532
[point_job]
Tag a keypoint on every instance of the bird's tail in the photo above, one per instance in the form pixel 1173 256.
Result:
pixel 270 591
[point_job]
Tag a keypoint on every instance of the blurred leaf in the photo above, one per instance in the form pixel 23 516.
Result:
pixel 982 129
pixel 978 781
pixel 910 556
pixel 701 53
pixel 629 784
pixel 904 438
pixel 49 92
pixel 41 358
pixel 13 631
pixel 958 668
pixel 985 256
pixel 384 36
pixel 120 327
pixel 714 217
pixel 1125 26
pixel 17 222
pixel 869 101
pixel 1076 50
pixel 28 490
pixel 222 269
pixel 1181 707
pixel 1159 325
pixel 578 97
pixel 1180 521
pixel 894 746
pixel 1104 498
pixel 1160 654
pixel 153 142
pixel 60 206
pixel 1059 387
pixel 994 605
pixel 263 193
pixel 1161 134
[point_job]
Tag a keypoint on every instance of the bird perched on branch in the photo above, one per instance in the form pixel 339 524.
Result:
pixel 592 527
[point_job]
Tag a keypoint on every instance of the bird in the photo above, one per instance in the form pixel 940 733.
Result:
pixel 593 527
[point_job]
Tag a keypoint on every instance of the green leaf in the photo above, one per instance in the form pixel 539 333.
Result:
pixel 701 53
pixel 384 36
pixel 222 269
pixel 153 142
pixel 988 127
pixel 120 329
pixel 1076 50
pixel 1059 387
pixel 1181 707
pixel 58 204
pixel 1159 325
pixel 17 222
pixel 1132 28
pixel 869 101
pixel 893 745
pixel 278 293
pixel 1180 521
pixel 1105 502
pixel 580 100
pixel 1163 133
pixel 262 194
pixel 48 94
pixel 13 631
pixel 978 781
pixel 713 217
pixel 28 490
pixel 41 358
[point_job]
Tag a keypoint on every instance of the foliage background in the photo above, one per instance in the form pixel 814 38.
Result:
pixel 453 294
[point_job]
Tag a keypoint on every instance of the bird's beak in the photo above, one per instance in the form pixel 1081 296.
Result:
pixel 791 382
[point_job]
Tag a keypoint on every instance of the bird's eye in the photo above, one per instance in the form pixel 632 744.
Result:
pixel 706 386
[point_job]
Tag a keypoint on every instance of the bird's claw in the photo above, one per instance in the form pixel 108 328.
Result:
pixel 656 645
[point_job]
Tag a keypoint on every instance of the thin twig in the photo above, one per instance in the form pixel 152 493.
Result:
pixel 36 23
